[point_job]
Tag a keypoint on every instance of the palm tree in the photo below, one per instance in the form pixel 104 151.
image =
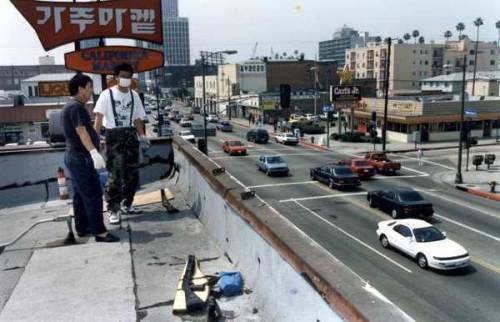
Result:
pixel 478 23
pixel 415 34
pixel 447 35
pixel 284 54
pixel 400 41
pixel 406 37
pixel 460 27
pixel 421 40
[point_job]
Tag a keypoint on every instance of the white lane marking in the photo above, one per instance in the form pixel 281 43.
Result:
pixel 468 227
pixel 340 195
pixel 399 177
pixel 422 174
pixel 353 237
pixel 257 155
pixel 281 184
pixel 428 161
pixel 447 198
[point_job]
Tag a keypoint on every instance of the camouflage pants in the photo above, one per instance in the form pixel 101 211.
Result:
pixel 122 163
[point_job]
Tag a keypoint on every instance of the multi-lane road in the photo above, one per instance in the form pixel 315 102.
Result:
pixel 344 225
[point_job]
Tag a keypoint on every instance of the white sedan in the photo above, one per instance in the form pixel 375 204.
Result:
pixel 424 242
pixel 185 122
pixel 286 138
pixel 188 136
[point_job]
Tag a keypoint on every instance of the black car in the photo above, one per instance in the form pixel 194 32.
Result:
pixel 178 117
pixel 400 202
pixel 335 176
pixel 258 136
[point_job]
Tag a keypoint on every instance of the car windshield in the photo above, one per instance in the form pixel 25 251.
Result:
pixel 235 143
pixel 262 132
pixel 289 135
pixel 410 196
pixel 274 160
pixel 379 156
pixel 361 163
pixel 342 171
pixel 428 234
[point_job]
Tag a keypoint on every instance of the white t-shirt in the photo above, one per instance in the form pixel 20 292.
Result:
pixel 123 105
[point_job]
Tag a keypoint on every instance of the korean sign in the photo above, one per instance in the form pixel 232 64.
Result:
pixel 102 60
pixel 59 23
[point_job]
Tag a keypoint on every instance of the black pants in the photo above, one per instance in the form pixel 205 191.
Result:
pixel 122 163
pixel 87 193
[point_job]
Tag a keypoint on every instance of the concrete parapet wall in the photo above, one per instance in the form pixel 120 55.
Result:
pixel 294 278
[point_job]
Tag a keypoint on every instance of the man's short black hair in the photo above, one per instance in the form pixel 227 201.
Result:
pixel 79 80
pixel 123 67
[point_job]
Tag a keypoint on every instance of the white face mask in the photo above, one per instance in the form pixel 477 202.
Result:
pixel 124 82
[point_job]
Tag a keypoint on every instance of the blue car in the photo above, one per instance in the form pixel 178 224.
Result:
pixel 271 164
pixel 225 126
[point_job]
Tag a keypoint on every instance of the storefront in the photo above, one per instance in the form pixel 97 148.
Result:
pixel 427 120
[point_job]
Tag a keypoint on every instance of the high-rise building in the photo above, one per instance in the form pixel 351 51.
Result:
pixel 170 8
pixel 176 41
pixel 343 39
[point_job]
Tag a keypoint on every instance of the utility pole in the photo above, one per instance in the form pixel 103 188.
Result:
pixel 386 92
pixel 157 101
pixel 229 98
pixel 458 177
pixel 205 150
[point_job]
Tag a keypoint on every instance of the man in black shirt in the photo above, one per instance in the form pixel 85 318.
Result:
pixel 82 159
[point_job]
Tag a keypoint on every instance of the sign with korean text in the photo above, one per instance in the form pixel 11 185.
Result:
pixel 51 89
pixel 59 23
pixel 345 93
pixel 102 60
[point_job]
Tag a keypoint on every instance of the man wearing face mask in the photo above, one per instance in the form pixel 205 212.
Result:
pixel 119 109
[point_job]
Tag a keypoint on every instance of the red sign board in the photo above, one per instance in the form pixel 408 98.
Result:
pixel 48 89
pixel 102 60
pixel 59 23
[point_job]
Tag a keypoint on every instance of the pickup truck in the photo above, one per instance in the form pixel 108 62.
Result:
pixel 381 163
pixel 360 167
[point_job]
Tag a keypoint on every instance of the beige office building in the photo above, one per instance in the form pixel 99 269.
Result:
pixel 411 63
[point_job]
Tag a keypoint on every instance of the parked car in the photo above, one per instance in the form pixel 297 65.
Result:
pixel 335 176
pixel 400 202
pixel 167 133
pixel 187 135
pixel 381 163
pixel 212 118
pixel 424 242
pixel 189 116
pixel 185 122
pixel 271 164
pixel 224 126
pixel 286 138
pixel 360 167
pixel 258 136
pixel 178 118
pixel 233 147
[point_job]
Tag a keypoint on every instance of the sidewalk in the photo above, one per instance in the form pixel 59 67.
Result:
pixel 352 148
pixel 135 279
pixel 475 182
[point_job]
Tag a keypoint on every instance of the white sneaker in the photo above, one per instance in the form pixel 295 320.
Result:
pixel 130 210
pixel 114 217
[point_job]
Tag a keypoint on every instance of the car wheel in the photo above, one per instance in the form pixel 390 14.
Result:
pixel 394 214
pixel 330 184
pixel 384 241
pixel 371 202
pixel 422 261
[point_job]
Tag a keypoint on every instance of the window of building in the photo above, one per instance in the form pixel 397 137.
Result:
pixel 363 65
pixel 36 91
pixel 471 52
pixel 471 63
pixel 357 75
pixel 376 54
pixel 492 62
pixel 420 62
pixel 426 62
pixel 414 51
pixel 30 91
pixel 426 51
pixel 421 52
pixel 357 65
pixel 414 73
pixel 413 84
pixel 492 52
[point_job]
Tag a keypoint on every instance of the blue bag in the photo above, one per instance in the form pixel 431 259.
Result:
pixel 230 283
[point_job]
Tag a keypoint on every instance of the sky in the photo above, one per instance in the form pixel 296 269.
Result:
pixel 279 25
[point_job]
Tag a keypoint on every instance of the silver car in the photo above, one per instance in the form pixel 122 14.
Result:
pixel 271 164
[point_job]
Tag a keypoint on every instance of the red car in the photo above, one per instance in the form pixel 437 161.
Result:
pixel 381 163
pixel 234 147
pixel 360 167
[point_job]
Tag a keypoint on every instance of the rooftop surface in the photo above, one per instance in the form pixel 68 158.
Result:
pixel 135 279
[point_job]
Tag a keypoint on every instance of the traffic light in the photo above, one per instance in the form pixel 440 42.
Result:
pixel 285 92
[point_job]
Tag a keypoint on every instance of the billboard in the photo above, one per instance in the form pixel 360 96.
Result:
pixel 59 23
pixel 345 93
pixel 102 60
pixel 51 89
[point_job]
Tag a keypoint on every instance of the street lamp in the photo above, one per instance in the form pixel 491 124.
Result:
pixel 386 89
pixel 206 59
pixel 315 69
pixel 458 177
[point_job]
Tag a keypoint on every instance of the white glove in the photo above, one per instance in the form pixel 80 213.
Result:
pixel 98 160
pixel 144 142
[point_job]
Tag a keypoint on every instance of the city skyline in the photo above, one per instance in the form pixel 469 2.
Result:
pixel 226 26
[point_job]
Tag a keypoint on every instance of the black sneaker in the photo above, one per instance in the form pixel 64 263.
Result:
pixel 82 234
pixel 109 238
